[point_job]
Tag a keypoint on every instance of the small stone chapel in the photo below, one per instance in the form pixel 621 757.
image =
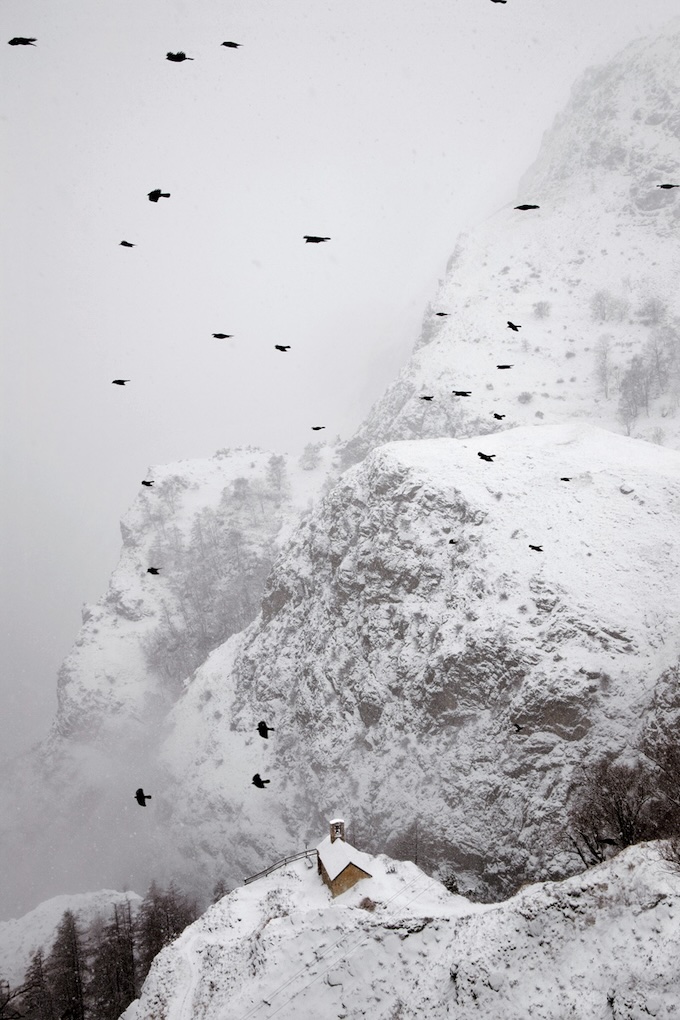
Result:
pixel 340 864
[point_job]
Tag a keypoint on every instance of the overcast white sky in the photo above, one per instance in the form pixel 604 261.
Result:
pixel 389 126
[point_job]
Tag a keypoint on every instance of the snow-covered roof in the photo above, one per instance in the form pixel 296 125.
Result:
pixel 337 855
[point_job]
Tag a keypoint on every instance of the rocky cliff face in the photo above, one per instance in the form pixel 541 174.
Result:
pixel 404 624
pixel 212 529
pixel 395 664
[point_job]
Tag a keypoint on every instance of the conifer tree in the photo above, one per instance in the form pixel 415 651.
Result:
pixel 276 476
pixel 10 1005
pixel 36 1000
pixel 163 916
pixel 112 987
pixel 65 969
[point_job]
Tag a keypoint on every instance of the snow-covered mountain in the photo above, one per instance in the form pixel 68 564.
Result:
pixel 212 528
pixel 398 945
pixel 392 627
pixel 395 664
pixel 590 277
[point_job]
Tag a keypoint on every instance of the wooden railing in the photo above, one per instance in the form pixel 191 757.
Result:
pixel 280 864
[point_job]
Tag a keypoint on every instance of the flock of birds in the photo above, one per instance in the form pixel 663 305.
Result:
pixel 257 780
pixel 515 327
pixel 154 196
pixel 489 457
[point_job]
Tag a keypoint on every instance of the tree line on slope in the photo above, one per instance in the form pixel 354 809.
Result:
pixel 95 974
pixel 653 372
pixel 619 804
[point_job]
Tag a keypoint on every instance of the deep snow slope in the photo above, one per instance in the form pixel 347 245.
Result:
pixel 212 527
pixel 20 937
pixel 603 225
pixel 603 944
pixel 394 664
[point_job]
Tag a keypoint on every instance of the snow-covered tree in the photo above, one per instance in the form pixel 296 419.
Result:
pixel 163 915
pixel 112 987
pixel 310 457
pixel 66 970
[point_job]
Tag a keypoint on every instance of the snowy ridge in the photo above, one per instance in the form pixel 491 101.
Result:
pixel 285 942
pixel 602 225
pixel 621 124
pixel 383 645
pixel 394 632
pixel 604 943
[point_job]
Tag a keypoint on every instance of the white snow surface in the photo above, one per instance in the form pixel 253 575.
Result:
pixel 391 663
pixel 603 224
pixel 602 944
pixel 394 665
pixel 20 937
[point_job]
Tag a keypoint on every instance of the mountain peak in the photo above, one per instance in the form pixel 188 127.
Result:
pixel 618 135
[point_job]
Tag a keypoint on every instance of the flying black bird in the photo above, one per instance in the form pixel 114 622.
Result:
pixel 119 382
pixel 149 484
pixel 499 1
pixel 317 428
pixel 223 336
pixel 126 244
pixel 142 797
pixel 259 782
pixel 264 730
pixel 461 393
pixel 282 347
pixel 157 193
pixel 487 456
pixel 19 40
pixel 499 417
pixel 667 186
pixel 426 398
pixel 153 570
pixel 525 207
pixel 565 479
pixel 517 727
pixel 511 325
pixel 311 239
pixel 442 314
pixel 232 45
pixel 536 548
pixel 453 541
pixel 177 57
pixel 504 366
